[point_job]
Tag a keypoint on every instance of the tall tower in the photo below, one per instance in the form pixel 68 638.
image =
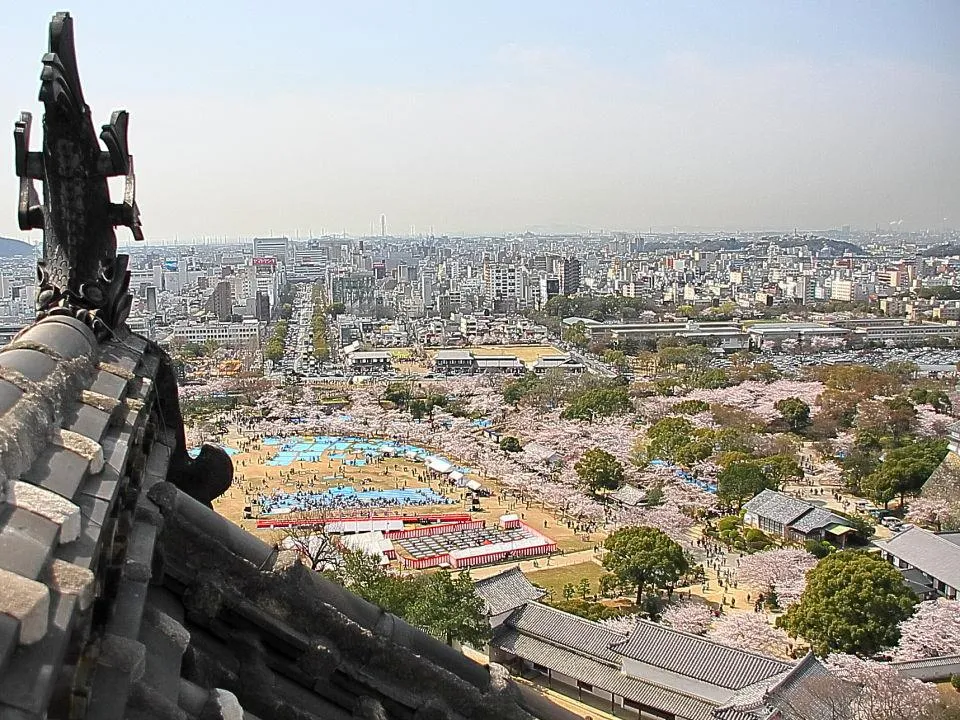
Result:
pixel 383 225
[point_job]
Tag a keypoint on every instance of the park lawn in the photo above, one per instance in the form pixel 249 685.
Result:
pixel 553 579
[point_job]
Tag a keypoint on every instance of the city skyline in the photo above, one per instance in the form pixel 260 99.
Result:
pixel 503 119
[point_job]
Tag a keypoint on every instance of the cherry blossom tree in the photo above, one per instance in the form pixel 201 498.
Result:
pixel 622 624
pixel 749 631
pixel 688 616
pixel 781 570
pixel 932 631
pixel 934 512
pixel 882 692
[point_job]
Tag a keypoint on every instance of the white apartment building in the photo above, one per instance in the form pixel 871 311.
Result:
pixel 231 334
pixel 501 280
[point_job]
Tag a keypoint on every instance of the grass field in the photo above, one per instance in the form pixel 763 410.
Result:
pixel 553 579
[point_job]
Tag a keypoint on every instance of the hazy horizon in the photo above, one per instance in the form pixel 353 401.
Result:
pixel 251 119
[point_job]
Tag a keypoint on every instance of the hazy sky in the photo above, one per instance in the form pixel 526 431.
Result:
pixel 483 117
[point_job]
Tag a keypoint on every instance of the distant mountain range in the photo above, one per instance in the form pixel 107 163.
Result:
pixel 10 247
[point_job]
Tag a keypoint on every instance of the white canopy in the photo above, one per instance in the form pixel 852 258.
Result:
pixel 473 485
pixel 439 465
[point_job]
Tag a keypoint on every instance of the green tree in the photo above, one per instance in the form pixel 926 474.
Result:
pixel 853 603
pixel 569 591
pixel 509 443
pixel 599 470
pixel 617 359
pixel 448 607
pixel 598 402
pixel 795 412
pixel 576 334
pixel 781 469
pixel 417 408
pixel 583 587
pixel 667 437
pixel 644 557
pixel 740 481
pixel 904 470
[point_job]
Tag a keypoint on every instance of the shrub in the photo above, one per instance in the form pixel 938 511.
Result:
pixel 690 407
pixel 819 548
pixel 955 681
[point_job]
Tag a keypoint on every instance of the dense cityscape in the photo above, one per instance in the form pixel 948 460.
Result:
pixel 529 475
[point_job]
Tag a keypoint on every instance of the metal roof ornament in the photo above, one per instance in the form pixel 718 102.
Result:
pixel 80 274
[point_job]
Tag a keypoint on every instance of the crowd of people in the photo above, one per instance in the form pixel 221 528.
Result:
pixel 347 498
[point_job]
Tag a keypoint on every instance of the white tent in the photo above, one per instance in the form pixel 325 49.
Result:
pixel 439 465
pixel 473 485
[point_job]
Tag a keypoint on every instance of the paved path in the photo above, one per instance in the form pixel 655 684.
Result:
pixel 527 566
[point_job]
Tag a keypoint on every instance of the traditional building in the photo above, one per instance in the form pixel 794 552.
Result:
pixel 652 672
pixel 792 518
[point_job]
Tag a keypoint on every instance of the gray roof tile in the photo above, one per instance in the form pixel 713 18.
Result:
pixel 58 469
pixel 28 681
pixel 697 657
pixel 26 541
pixel 108 384
pixel 928 552
pixel 604 676
pixel 9 394
pixel 117 354
pixel 506 591
pixel 9 637
pixel 562 628
pixel 86 420
pixel 777 507
pixel 31 363
pixel 66 338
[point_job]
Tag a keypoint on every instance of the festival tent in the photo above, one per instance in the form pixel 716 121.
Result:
pixel 371 543
pixel 474 485
pixel 439 465
pixel 362 526
pixel 457 476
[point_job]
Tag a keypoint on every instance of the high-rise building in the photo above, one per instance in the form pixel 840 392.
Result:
pixel 569 276
pixel 151 294
pixel 275 247
pixel 500 281
pixel 220 302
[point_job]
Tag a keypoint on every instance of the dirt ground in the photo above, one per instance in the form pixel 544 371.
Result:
pixel 404 362
pixel 253 477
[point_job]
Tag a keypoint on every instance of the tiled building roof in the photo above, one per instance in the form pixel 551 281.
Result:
pixel 777 507
pixel 506 590
pixel 561 628
pixel 686 675
pixel 603 675
pixel 934 555
pixel 697 657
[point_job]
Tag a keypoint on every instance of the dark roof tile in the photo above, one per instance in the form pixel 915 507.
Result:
pixel 33 671
pixel 9 394
pixel 31 363
pixel 26 541
pixel 9 637
pixel 506 591
pixel 697 657
pixel 106 383
pixel 86 420
pixel 58 469
pixel 68 339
